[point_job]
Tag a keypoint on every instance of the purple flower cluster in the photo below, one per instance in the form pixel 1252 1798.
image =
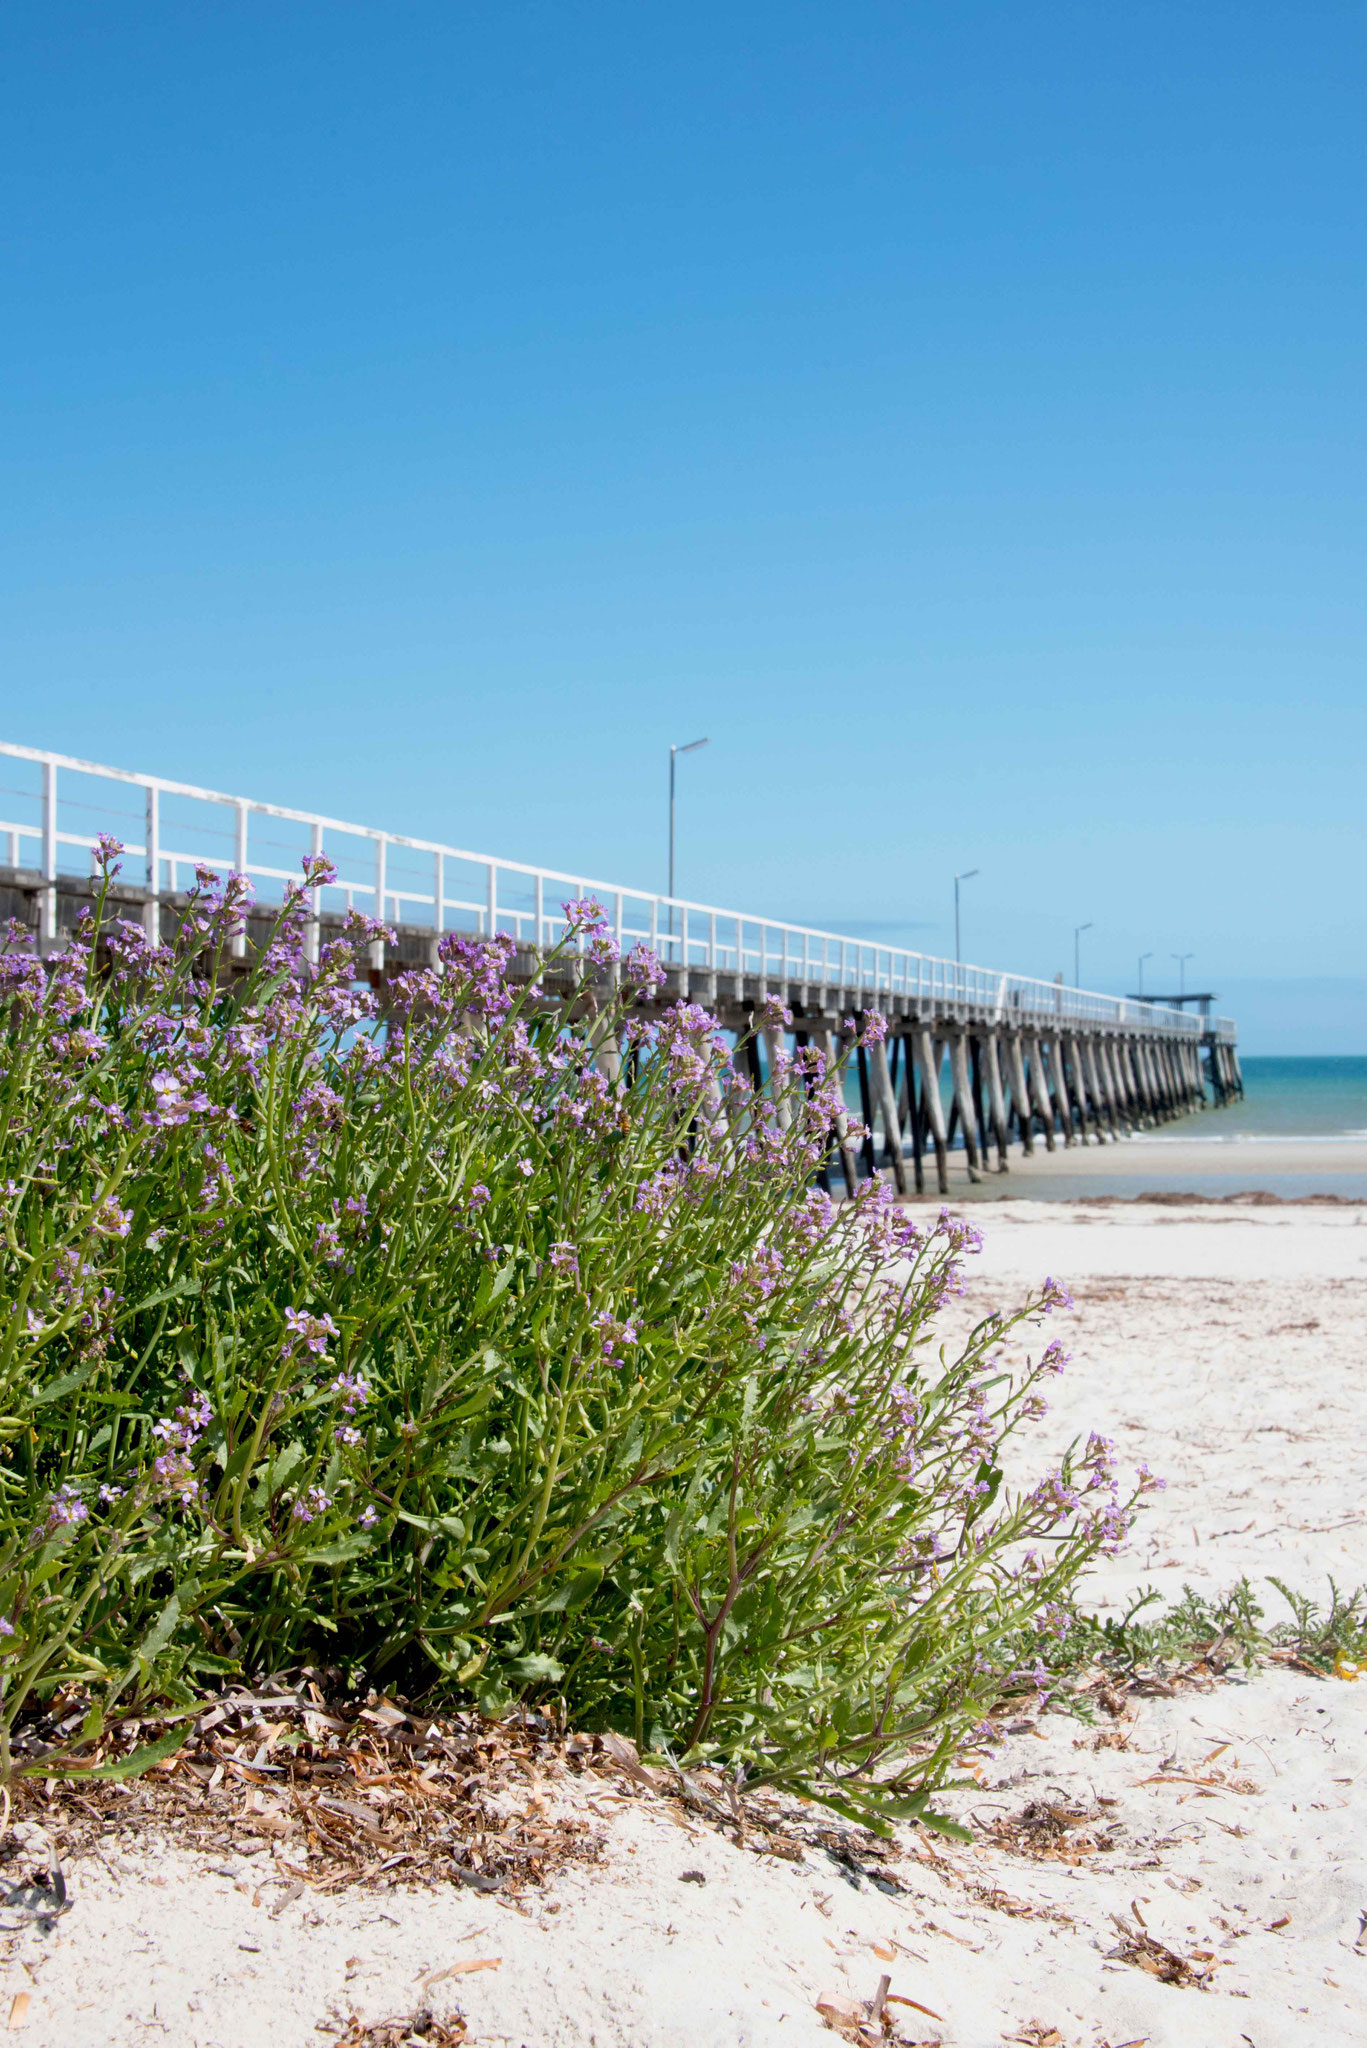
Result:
pixel 173 1469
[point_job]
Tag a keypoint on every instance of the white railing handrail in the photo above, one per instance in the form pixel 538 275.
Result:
pixel 784 951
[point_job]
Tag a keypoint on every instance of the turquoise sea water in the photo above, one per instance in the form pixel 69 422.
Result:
pixel 1323 1100
pixel 1291 1098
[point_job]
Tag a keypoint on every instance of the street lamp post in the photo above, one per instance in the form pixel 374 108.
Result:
pixel 1142 958
pixel 1078 930
pixel 966 876
pixel 1182 959
pixel 674 753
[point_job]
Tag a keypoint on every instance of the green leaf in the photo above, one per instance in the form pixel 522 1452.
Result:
pixel 131 1766
pixel 340 1552
pixel 65 1383
pixel 179 1292
pixel 535 1668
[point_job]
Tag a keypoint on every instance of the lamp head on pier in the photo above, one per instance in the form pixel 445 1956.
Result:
pixel 1078 930
pixel 966 876
pixel 674 753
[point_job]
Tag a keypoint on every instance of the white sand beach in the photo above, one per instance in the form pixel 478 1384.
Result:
pixel 1212 1835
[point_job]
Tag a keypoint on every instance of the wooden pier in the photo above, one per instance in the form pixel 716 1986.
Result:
pixel 972 1056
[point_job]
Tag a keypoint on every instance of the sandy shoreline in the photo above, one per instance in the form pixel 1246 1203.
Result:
pixel 1217 1824
pixel 1195 1159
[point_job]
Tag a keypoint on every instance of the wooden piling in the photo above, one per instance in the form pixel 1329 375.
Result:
pixel 773 1049
pixel 1040 1087
pixel 996 1099
pixel 1077 1086
pixel 865 1102
pixel 1088 1050
pixel 848 1165
pixel 1020 1093
pixel 892 1123
pixel 1115 1114
pixel 914 1116
pixel 958 1062
pixel 932 1106
pixel 1065 1107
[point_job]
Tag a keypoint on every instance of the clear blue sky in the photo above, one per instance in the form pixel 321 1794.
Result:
pixel 427 412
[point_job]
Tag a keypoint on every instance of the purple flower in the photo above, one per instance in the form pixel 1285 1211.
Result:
pixel 353 1391
pixel 65 1510
pixel 107 850
pixel 564 1259
pixel 1054 1295
pixel 319 872
pixel 613 1333
pixel 642 968
pixel 478 1195
pixel 109 1220
pixel 313 1502
pixel 312 1332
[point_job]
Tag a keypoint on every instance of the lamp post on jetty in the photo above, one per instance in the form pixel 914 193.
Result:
pixel 1142 958
pixel 1182 959
pixel 1078 930
pixel 966 876
pixel 674 753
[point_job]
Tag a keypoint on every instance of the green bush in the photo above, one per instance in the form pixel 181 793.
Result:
pixel 502 1343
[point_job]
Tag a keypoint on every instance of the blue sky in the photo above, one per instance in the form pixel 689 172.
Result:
pixel 426 413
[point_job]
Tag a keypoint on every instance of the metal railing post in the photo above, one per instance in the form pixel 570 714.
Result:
pixel 377 949
pixel 47 912
pixel 151 910
pixel 313 935
pixel 240 867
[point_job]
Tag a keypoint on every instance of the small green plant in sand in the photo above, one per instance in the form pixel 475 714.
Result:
pixel 1231 1629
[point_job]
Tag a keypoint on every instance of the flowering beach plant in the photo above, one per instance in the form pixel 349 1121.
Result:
pixel 494 1338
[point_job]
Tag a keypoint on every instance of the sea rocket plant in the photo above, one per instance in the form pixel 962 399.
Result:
pixel 414 1331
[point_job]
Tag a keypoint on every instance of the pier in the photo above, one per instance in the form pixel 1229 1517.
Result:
pixel 1028 1062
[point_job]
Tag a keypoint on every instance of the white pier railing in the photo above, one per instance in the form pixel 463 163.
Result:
pixel 56 805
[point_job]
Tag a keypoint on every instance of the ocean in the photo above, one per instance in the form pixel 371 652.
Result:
pixel 1300 1131
pixel 1291 1098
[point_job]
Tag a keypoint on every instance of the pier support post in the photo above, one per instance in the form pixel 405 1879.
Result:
pixel 842 1123
pixel 1020 1093
pixel 963 1095
pixel 913 1106
pixel 1138 1086
pixel 1101 1053
pixel 1086 1051
pixel 1148 1081
pixel 996 1099
pixel 1065 1107
pixel 1070 1062
pixel 932 1107
pixel 773 1048
pixel 865 1101
pixel 892 1123
pixel 1040 1087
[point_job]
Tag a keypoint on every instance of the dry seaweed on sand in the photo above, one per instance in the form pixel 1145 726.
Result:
pixel 1051 1830
pixel 1144 1951
pixel 419 2030
pixel 346 1791
pixel 868 2022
